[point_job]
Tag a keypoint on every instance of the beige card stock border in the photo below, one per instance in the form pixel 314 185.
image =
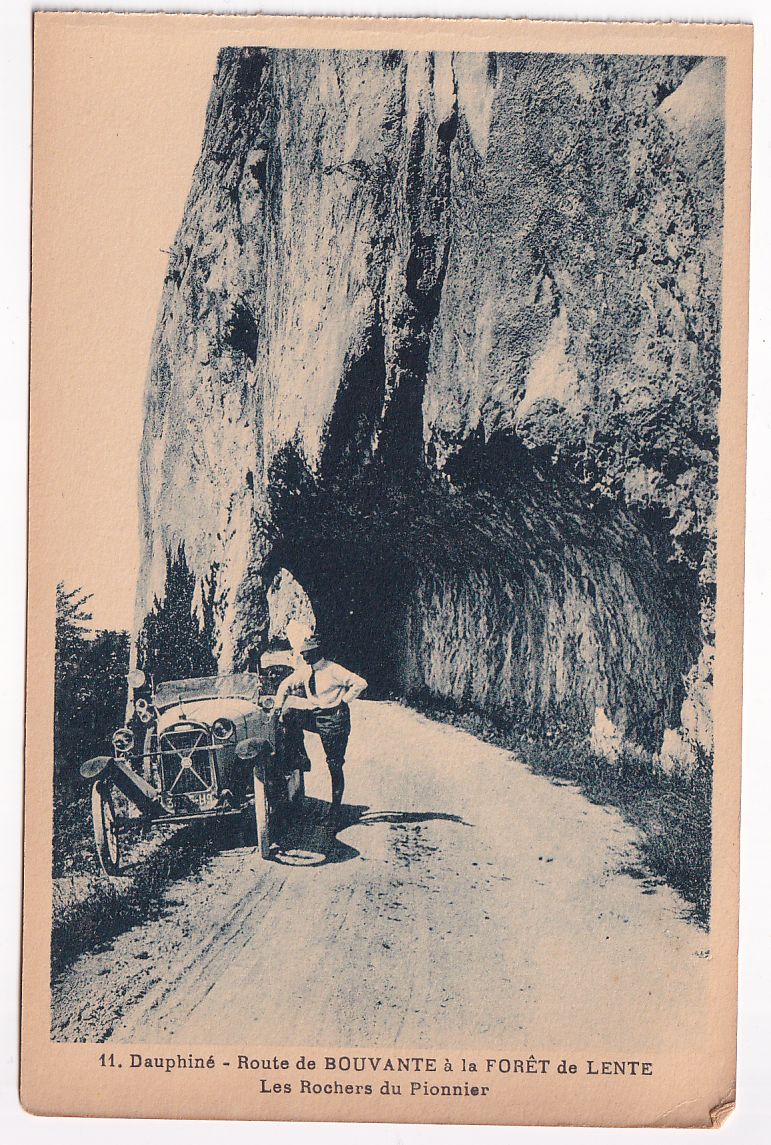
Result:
pixel 694 1086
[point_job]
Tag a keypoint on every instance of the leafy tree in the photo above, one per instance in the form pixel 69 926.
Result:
pixel 72 630
pixel 90 682
pixel 175 642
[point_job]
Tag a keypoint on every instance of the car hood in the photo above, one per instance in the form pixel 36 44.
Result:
pixel 206 711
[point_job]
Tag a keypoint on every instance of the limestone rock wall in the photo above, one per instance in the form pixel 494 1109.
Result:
pixel 440 336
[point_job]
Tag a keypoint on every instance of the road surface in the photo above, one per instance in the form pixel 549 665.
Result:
pixel 467 900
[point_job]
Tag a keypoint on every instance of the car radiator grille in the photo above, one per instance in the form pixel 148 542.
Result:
pixel 187 766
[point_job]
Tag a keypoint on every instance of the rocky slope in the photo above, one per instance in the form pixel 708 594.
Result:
pixel 440 337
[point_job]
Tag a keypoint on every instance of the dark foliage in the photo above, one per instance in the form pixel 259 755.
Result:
pixel 90 679
pixel 90 699
pixel 175 641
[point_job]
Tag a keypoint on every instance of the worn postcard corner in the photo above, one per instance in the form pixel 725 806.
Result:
pixel 719 1114
pixel 388 409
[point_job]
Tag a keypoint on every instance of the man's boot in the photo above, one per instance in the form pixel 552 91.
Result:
pixel 335 815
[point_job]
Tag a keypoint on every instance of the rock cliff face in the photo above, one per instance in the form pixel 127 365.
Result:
pixel 440 338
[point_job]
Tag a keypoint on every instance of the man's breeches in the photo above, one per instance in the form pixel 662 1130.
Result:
pixel 333 728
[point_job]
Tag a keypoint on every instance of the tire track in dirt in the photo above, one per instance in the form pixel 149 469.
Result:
pixel 192 978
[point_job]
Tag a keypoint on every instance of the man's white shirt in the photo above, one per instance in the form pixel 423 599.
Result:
pixel 332 684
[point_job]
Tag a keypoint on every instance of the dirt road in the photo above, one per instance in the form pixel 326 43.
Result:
pixel 466 899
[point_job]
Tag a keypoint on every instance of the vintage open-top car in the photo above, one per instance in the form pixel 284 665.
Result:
pixel 204 748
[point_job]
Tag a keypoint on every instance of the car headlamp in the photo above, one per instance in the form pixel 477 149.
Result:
pixel 142 709
pixel 223 729
pixel 123 740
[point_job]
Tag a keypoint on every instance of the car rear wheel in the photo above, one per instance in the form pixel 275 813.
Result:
pixel 261 815
pixel 106 834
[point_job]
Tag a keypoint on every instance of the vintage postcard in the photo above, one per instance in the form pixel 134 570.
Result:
pixel 385 583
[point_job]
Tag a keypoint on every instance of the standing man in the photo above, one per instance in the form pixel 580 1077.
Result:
pixel 315 698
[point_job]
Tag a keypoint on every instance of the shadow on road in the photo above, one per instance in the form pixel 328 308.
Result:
pixel 309 841
pixel 410 817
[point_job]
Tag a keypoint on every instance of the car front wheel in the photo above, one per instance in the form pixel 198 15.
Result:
pixel 261 815
pixel 106 834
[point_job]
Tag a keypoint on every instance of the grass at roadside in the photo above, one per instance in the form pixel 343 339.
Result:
pixel 89 908
pixel 671 812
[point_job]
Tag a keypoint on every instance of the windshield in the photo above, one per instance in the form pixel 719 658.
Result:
pixel 245 685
